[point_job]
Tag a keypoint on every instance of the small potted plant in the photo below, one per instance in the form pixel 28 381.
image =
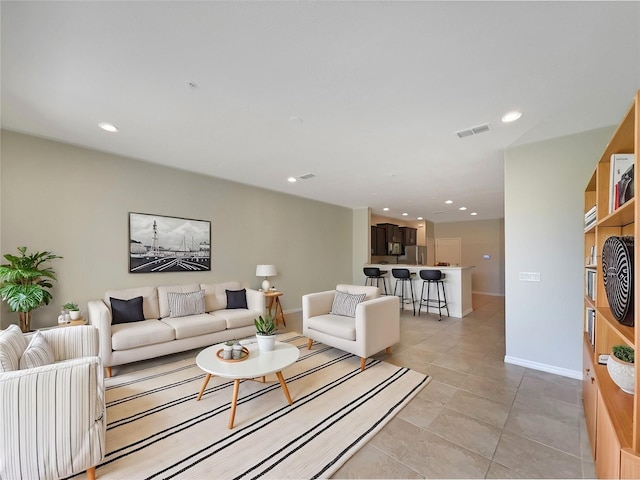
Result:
pixel 237 351
pixel 621 367
pixel 265 328
pixel 73 309
pixel 227 350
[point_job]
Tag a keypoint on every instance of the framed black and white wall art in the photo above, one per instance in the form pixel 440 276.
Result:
pixel 158 243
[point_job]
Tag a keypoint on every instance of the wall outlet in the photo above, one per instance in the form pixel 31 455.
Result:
pixel 529 276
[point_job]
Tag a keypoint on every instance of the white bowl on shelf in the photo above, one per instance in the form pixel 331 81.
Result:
pixel 622 373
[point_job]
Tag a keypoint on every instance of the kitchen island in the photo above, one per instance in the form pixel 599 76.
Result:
pixel 457 285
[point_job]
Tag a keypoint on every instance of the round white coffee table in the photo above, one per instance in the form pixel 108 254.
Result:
pixel 258 364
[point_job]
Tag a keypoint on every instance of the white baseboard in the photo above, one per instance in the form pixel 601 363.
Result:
pixel 493 294
pixel 543 367
pixel 292 310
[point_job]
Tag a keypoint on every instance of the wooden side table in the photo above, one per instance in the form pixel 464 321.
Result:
pixel 274 298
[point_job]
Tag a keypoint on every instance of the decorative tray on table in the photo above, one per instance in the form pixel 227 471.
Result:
pixel 243 356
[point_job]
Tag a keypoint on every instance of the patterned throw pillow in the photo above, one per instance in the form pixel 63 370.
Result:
pixel 183 304
pixel 12 345
pixel 345 304
pixel 37 354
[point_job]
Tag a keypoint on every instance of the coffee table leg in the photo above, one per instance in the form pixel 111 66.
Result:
pixel 234 402
pixel 284 387
pixel 204 385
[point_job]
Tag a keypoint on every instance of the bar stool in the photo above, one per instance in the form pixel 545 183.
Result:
pixel 403 275
pixel 374 274
pixel 430 277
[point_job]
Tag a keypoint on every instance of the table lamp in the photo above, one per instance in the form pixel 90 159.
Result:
pixel 266 271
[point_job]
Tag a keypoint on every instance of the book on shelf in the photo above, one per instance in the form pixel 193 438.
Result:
pixel 590 284
pixel 591 258
pixel 589 321
pixel 620 164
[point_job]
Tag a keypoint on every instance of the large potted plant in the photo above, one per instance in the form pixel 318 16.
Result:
pixel 265 328
pixel 25 283
pixel 621 367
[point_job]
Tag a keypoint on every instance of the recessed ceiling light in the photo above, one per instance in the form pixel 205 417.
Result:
pixel 420 218
pixel 473 213
pixel 405 214
pixel 292 180
pixel 449 201
pixel 511 116
pixel 108 127
pixel 386 209
pixel 462 208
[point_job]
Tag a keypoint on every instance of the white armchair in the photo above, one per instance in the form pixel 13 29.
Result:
pixel 375 327
pixel 53 417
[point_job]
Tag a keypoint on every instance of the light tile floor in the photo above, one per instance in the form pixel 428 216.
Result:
pixel 479 417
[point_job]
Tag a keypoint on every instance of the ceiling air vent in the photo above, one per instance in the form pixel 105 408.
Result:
pixel 306 176
pixel 473 131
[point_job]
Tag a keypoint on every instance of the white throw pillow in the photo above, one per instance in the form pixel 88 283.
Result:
pixel 12 345
pixel 345 304
pixel 37 354
pixel 183 304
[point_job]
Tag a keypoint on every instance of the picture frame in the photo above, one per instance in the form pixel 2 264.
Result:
pixel 160 243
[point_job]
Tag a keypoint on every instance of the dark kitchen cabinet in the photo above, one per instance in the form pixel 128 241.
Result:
pixel 392 231
pixel 378 241
pixel 409 236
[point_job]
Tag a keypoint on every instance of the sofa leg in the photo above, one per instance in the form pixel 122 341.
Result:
pixel 107 372
pixel 91 473
pixel 310 344
pixel 362 362
pixel 388 350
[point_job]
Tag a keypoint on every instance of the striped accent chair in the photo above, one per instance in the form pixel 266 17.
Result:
pixel 352 318
pixel 53 417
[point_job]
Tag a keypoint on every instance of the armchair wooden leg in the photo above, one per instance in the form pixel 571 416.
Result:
pixel 107 371
pixel 388 350
pixel 362 362
pixel 91 473
pixel 310 344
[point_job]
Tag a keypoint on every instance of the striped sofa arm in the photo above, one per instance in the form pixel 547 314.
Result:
pixel 53 420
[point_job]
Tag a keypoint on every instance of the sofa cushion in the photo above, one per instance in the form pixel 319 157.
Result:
pixel 195 325
pixel 163 299
pixel 38 353
pixel 215 297
pixel 334 325
pixel 345 304
pixel 236 299
pixel 12 346
pixel 149 299
pixel 126 311
pixel 184 304
pixel 237 317
pixel 138 334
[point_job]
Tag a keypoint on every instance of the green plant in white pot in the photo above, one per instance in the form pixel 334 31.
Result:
pixel 74 310
pixel 25 283
pixel 621 367
pixel 265 332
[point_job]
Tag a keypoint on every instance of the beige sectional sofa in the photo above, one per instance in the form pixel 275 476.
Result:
pixel 161 331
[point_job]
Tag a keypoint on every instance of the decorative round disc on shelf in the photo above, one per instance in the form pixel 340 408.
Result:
pixel 617 270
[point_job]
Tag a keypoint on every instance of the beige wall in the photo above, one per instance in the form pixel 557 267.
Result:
pixel 75 203
pixel 544 233
pixel 479 238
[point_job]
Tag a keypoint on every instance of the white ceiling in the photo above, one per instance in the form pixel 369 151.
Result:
pixel 380 87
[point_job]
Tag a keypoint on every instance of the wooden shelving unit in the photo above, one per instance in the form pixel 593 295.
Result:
pixel 612 416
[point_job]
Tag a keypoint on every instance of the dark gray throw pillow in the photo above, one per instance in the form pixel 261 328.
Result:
pixel 126 311
pixel 236 298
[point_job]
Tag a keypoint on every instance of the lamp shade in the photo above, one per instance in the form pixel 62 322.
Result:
pixel 266 271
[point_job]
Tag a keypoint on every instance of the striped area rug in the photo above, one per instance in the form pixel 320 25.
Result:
pixel 156 428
